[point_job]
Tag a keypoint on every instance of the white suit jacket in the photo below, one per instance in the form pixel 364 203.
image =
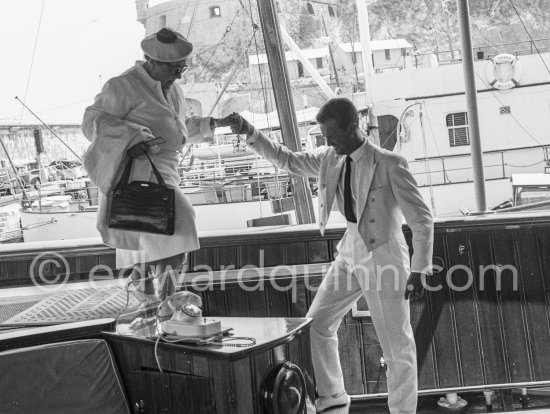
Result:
pixel 384 195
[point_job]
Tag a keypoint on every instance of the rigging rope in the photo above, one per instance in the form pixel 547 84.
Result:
pixel 213 49
pixel 255 26
pixel 529 34
pixel 192 18
pixel 32 59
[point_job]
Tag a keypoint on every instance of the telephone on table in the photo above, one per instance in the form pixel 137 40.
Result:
pixel 187 319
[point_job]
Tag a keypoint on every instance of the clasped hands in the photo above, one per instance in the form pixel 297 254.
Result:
pixel 238 125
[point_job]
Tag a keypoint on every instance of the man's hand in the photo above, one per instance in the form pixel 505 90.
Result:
pixel 239 125
pixel 414 289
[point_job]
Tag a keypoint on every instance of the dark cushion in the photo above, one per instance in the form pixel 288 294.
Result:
pixel 67 377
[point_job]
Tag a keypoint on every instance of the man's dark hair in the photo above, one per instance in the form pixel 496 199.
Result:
pixel 340 109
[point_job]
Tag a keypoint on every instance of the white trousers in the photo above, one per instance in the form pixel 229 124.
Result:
pixel 380 276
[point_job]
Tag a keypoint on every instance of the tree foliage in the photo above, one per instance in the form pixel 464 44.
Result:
pixel 433 24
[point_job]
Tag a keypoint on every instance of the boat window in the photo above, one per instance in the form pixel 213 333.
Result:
pixel 457 123
pixel 215 11
pixel 387 54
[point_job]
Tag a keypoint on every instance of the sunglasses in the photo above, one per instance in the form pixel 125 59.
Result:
pixel 177 69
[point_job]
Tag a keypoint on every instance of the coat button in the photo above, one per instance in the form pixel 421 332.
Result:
pixel 372 199
pixel 322 205
pixel 324 186
pixel 371 241
pixel 371 220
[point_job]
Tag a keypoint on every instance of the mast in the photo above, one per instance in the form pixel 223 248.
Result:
pixel 471 104
pixel 366 55
pixel 285 104
pixel 19 180
pixel 336 79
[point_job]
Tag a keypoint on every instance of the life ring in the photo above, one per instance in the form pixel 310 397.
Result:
pixel 500 79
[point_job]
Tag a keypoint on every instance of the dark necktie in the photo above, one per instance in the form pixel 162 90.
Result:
pixel 348 206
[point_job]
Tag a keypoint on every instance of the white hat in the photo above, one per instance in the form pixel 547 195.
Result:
pixel 166 46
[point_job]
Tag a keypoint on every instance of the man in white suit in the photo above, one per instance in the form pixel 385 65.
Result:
pixel 374 189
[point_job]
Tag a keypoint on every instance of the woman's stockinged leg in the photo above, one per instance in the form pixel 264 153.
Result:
pixel 167 274
pixel 157 279
pixel 142 279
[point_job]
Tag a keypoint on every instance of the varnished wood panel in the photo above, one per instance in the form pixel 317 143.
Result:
pixel 245 392
pixel 349 342
pixel 262 364
pixel 295 253
pixel 513 323
pixel 422 326
pixel 257 303
pixel 463 282
pixel 299 299
pixel 318 251
pixel 157 392
pixel 225 397
pixel 272 254
pixel 205 257
pixel 236 300
pixel 227 256
pixel 215 302
pixel 444 345
pixel 278 303
pixel 492 341
pixel 533 262
pixel 306 363
pixel 249 255
pixel 376 381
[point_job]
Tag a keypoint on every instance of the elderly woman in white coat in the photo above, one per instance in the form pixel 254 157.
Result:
pixel 141 104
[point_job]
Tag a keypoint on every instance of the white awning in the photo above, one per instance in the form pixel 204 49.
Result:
pixel 531 180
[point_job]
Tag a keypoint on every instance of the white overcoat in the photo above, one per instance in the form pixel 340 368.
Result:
pixel 132 108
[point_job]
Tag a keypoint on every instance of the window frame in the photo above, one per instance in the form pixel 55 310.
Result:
pixel 213 13
pixel 457 123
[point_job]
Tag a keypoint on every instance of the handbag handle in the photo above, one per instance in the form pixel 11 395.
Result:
pixel 128 169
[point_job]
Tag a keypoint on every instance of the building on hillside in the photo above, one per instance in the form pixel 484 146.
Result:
pixel 386 55
pixel 192 17
pixel 319 58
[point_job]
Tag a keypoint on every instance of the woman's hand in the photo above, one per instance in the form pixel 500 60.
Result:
pixel 142 148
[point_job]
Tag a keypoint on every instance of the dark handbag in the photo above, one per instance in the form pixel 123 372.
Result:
pixel 142 205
